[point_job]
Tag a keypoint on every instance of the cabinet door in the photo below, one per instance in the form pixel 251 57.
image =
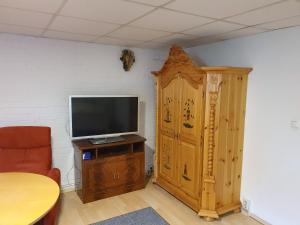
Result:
pixel 167 129
pixel 167 158
pixel 190 123
pixel 168 106
pixel 188 168
pixel 100 174
pixel 129 171
pixel 190 110
pixel 115 171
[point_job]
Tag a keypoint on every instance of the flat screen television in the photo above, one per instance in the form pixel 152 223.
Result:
pixel 103 116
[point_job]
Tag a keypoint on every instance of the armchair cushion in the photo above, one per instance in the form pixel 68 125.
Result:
pixel 25 137
pixel 28 149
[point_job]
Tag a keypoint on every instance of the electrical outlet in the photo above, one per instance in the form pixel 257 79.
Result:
pixel 246 205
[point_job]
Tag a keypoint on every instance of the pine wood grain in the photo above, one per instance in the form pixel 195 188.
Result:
pixel 200 129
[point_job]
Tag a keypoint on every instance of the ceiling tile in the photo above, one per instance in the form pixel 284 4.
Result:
pixel 20 30
pixel 213 29
pixel 115 41
pixel 114 11
pixel 290 22
pixel 155 45
pixel 151 2
pixel 271 13
pixel 49 6
pixel 167 20
pixel 72 25
pixel 174 38
pixel 138 34
pixel 204 41
pixel 24 18
pixel 241 32
pixel 216 8
pixel 68 36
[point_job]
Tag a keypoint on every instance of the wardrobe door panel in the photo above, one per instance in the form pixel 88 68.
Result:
pixel 168 107
pixel 167 158
pixel 188 168
pixel 190 123
pixel 190 115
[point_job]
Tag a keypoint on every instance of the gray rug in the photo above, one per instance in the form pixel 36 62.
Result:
pixel 147 216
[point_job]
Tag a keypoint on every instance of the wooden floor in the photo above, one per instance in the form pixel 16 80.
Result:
pixel 73 212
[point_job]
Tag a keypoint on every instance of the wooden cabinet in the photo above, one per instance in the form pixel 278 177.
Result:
pixel 200 126
pixel 115 168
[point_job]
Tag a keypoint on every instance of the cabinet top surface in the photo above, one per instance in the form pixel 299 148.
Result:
pixel 129 139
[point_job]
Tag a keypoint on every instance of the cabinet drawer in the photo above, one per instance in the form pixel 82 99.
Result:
pixel 116 171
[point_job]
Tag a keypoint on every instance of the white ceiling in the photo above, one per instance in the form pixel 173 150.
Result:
pixel 147 23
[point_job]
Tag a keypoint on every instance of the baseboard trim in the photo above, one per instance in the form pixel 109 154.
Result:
pixel 67 188
pixel 255 217
pixel 258 219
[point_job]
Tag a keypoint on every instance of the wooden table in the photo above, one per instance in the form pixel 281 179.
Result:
pixel 25 197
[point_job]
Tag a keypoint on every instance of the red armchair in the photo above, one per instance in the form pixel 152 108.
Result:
pixel 28 149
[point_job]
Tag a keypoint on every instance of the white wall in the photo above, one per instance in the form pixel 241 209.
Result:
pixel 271 178
pixel 37 76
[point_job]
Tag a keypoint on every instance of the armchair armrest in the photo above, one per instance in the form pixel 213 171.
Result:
pixel 54 174
pixel 51 217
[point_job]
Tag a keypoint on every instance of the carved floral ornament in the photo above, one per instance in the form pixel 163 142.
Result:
pixel 214 83
pixel 214 88
pixel 188 113
pixel 167 113
pixel 177 59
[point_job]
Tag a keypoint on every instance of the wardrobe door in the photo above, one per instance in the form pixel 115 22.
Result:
pixel 167 158
pixel 167 130
pixel 190 123
pixel 168 106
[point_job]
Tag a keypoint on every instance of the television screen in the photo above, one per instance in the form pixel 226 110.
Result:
pixel 103 115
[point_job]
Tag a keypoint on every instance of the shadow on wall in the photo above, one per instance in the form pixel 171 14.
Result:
pixel 196 59
pixel 142 123
pixel 142 118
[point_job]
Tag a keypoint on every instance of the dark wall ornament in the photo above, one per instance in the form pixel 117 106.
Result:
pixel 127 58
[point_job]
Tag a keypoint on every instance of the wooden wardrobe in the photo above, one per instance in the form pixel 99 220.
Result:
pixel 200 130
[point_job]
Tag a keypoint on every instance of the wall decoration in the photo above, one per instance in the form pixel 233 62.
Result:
pixel 128 59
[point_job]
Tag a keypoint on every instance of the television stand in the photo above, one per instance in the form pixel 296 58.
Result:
pixel 106 140
pixel 113 168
